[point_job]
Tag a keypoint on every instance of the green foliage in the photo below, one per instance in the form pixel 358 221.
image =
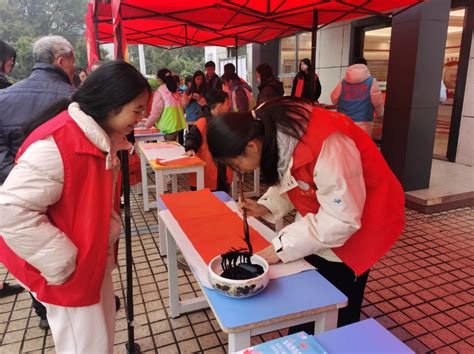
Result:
pixel 153 83
pixel 182 61
pixel 24 21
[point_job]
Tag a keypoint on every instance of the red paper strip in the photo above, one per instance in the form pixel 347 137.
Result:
pixel 209 224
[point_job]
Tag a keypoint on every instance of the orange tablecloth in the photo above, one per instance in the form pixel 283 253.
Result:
pixel 211 226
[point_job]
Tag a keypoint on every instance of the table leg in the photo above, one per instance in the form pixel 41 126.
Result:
pixel 172 275
pixel 239 341
pixel 256 182
pixel 174 183
pixel 146 203
pixel 328 322
pixel 234 187
pixel 200 178
pixel 160 181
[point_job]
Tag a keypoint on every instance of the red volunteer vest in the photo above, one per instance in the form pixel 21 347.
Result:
pixel 210 171
pixel 384 214
pixel 82 213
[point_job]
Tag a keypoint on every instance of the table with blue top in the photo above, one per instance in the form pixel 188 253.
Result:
pixel 287 301
pixel 366 336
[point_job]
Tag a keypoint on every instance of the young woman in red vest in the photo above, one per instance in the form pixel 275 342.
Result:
pixel 350 205
pixel 217 177
pixel 59 207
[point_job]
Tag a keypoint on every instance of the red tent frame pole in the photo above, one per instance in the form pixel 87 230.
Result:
pixel 96 26
pixel 313 52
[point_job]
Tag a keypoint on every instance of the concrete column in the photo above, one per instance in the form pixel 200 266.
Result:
pixel 413 86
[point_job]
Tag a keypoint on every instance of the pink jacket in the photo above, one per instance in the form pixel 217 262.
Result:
pixel 358 73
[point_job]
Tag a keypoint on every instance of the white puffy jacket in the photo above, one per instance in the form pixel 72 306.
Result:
pixel 35 183
pixel 341 193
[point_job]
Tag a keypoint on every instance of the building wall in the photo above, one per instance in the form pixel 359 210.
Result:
pixel 215 54
pixel 332 57
pixel 465 153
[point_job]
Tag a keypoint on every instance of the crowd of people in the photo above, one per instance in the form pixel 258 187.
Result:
pixel 61 129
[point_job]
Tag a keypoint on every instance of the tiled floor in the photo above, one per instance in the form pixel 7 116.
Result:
pixel 422 291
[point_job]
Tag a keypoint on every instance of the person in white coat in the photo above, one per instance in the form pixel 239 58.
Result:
pixel 350 205
pixel 59 207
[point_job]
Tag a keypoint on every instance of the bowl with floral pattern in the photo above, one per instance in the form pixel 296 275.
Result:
pixel 240 288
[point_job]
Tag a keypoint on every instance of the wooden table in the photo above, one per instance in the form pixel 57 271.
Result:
pixel 287 301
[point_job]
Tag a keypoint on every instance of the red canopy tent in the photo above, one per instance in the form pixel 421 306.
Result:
pixel 220 22
pixel 211 23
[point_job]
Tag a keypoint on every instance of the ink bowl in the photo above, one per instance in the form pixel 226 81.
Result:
pixel 240 288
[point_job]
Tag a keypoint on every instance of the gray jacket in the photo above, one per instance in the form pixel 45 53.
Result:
pixel 21 102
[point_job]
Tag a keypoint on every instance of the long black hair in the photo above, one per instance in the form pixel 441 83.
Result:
pixel 214 97
pixel 202 90
pixel 308 63
pixel 166 76
pixel 265 71
pixel 229 134
pixel 104 92
pixel 6 53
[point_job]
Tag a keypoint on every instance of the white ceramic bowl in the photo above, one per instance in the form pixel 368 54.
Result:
pixel 238 288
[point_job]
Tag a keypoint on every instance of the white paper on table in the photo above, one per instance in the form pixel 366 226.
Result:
pixel 199 267
pixel 164 153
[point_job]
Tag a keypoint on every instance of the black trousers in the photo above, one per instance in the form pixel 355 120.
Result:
pixel 343 278
pixel 39 308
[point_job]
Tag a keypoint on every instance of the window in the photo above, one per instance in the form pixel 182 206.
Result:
pixel 288 55
pixel 304 46
pixel 292 50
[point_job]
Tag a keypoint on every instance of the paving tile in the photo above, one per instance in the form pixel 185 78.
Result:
pixel 457 314
pixel 415 329
pixel 399 317
pixel 463 347
pixel 446 336
pixel 430 324
pixel 414 313
pixel 183 333
pixel 431 341
pixel 417 346
pixel 428 309
pixel 208 341
pixel 189 346
pixel 164 339
pixel 461 330
pixel 203 328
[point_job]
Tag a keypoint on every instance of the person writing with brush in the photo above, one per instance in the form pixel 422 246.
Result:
pixel 350 205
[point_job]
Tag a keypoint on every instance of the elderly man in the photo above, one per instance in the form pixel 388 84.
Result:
pixel 50 79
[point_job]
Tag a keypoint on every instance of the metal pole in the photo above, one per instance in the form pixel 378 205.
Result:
pixel 141 58
pixel 236 55
pixel 131 346
pixel 313 54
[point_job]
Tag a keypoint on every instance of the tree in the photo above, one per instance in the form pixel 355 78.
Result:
pixel 182 61
pixel 24 21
